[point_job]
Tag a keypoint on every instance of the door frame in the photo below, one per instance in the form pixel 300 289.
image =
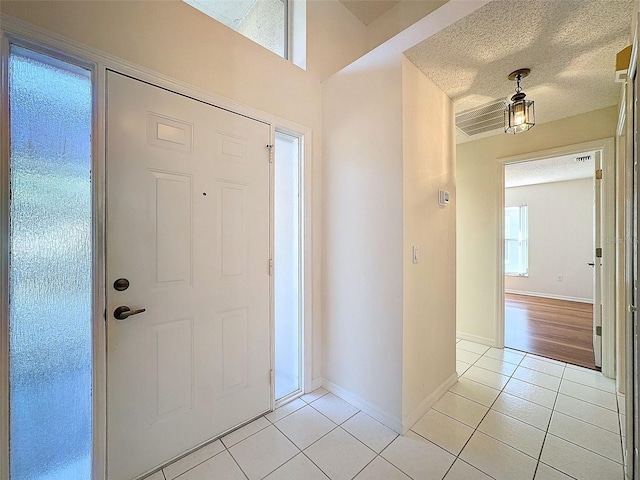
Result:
pixel 305 333
pixel 627 197
pixel 20 32
pixel 606 146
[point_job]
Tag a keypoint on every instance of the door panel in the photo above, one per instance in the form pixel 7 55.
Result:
pixel 188 226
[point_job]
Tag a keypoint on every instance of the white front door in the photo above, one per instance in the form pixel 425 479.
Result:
pixel 188 228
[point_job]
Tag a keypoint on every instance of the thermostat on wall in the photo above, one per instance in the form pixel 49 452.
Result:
pixel 443 197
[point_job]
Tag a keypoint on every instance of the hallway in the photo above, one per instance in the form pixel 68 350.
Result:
pixel 511 416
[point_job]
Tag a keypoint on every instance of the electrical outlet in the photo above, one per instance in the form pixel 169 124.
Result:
pixel 560 278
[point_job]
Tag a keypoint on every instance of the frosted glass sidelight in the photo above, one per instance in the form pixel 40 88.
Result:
pixel 287 265
pixel 50 274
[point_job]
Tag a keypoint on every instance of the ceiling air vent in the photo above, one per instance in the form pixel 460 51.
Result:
pixel 484 118
pixel 583 159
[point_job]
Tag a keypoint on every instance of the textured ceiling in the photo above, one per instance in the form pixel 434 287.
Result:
pixel 569 45
pixel 557 169
pixel 368 10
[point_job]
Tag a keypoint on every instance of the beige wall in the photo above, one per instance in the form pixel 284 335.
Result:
pixel 384 124
pixel 175 39
pixel 388 324
pixel 479 192
pixel 429 287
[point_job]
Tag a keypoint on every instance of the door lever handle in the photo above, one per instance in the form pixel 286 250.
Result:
pixel 123 312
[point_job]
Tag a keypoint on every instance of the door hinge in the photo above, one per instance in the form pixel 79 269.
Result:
pixel 271 376
pixel 599 174
pixel 270 147
pixel 599 252
pixel 270 266
pixel 599 331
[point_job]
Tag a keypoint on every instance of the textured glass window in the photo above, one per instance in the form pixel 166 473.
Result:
pixel 287 265
pixel 50 258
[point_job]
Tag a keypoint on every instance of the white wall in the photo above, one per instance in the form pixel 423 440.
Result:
pixel 429 287
pixel 362 234
pixel 479 189
pixel 560 239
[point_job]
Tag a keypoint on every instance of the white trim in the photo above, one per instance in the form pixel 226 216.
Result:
pixel 622 111
pixel 4 263
pixel 99 329
pixel 550 295
pixel 399 426
pixel 490 342
pixel 609 256
pixel 607 146
pixel 315 384
pixel 104 61
pixel 304 136
pixel 411 419
pixel 499 294
pixel 390 421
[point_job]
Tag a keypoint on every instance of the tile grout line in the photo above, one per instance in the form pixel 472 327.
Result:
pixel 546 432
pixel 553 409
pixel 457 456
pixel 475 429
pixel 336 426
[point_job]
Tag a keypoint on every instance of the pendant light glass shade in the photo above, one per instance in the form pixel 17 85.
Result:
pixel 519 116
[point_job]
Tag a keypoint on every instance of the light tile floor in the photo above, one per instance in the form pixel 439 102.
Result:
pixel 511 416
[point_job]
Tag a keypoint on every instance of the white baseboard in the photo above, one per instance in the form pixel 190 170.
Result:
pixel 551 295
pixel 411 419
pixel 491 342
pixel 315 384
pixel 386 419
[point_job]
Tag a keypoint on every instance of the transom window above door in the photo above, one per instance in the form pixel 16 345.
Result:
pixel 266 22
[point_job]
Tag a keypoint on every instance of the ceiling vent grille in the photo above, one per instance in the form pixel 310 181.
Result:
pixel 482 119
pixel 583 159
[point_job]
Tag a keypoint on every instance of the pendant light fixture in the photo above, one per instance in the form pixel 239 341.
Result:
pixel 519 116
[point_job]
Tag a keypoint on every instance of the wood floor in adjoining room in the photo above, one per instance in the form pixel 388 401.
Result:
pixel 556 329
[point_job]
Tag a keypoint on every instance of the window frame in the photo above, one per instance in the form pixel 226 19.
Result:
pixel 522 241
pixel 287 35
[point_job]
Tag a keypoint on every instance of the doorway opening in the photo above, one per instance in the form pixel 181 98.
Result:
pixel 287 266
pixel 551 276
pixel 50 257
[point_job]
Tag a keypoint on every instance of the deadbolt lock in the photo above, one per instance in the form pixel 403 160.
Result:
pixel 121 284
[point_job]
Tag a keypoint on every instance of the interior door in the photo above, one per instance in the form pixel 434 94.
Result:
pixel 188 241
pixel 597 269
